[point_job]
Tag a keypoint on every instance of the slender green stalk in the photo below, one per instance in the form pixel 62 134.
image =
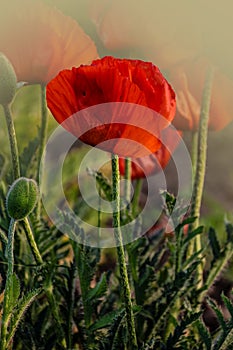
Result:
pixel 72 285
pixel 191 247
pixel 121 254
pixel 7 299
pixel 127 189
pixel 32 242
pixel 13 142
pixel 43 135
pixel 201 162
pixel 136 196
pixel 99 221
pixel 194 150
pixel 201 149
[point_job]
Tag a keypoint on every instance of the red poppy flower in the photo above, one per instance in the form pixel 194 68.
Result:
pixel 184 38
pixel 130 100
pixel 154 163
pixel 40 41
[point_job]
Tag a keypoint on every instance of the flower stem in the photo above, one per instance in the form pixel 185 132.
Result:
pixel 201 161
pixel 13 141
pixel 137 192
pixel 9 278
pixel 32 242
pixel 191 247
pixel 127 189
pixel 121 253
pixel 43 135
pixel 194 150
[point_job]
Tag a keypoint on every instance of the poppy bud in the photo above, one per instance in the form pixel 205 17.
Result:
pixel 21 198
pixel 8 81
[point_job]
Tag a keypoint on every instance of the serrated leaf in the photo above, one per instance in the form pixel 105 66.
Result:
pixel 27 155
pixel 204 334
pixel 21 308
pixel 229 231
pixel 227 344
pixel 193 234
pixel 228 303
pixel 104 321
pixel 214 243
pixel 170 201
pixel 180 329
pixel 102 182
pixel 3 163
pixel 219 315
pixel 99 290
pixel 3 236
pixel 14 292
pixel 112 336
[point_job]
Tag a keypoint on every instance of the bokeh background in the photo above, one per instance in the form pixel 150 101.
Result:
pixel 170 34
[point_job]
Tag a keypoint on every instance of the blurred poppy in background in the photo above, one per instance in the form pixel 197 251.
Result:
pixel 183 38
pixel 40 41
pixel 125 84
pixel 156 162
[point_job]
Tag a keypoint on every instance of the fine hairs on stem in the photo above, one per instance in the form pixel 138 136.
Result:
pixel 201 156
pixel 42 134
pixel 121 254
pixel 6 304
pixel 13 142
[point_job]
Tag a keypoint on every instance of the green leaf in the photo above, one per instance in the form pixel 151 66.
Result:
pixel 204 334
pixel 180 329
pixel 214 243
pixel 228 303
pixel 170 201
pixel 27 156
pixel 228 341
pixel 219 315
pixel 3 163
pixel 193 234
pixel 21 308
pixel 14 292
pixel 104 321
pixel 229 231
pixel 102 182
pixel 3 236
pixel 99 290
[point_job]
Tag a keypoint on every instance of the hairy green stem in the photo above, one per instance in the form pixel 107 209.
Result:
pixel 13 142
pixel 137 192
pixel 99 220
pixel 32 242
pixel 191 247
pixel 43 135
pixel 72 285
pixel 121 254
pixel 201 149
pixel 127 189
pixel 7 299
pixel 201 162
pixel 194 150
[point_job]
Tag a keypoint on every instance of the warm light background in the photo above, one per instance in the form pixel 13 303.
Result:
pixel 168 33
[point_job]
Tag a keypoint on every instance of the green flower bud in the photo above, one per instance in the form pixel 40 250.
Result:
pixel 21 198
pixel 8 81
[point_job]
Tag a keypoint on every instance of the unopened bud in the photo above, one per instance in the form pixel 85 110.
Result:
pixel 8 81
pixel 21 198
